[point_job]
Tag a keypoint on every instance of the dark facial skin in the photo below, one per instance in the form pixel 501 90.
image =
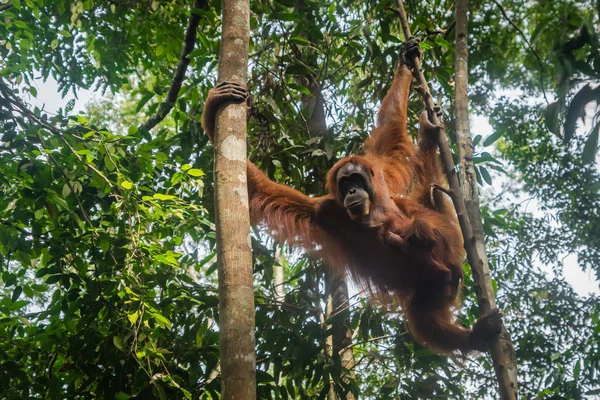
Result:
pixel 355 190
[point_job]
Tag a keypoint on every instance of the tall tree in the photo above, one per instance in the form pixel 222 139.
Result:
pixel 108 284
pixel 234 251
pixel 466 200
pixel 502 349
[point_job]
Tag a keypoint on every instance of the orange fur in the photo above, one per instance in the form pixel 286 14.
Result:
pixel 411 247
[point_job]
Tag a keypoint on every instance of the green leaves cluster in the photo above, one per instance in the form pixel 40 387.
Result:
pixel 107 262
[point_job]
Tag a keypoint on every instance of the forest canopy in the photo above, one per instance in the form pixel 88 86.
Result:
pixel 107 236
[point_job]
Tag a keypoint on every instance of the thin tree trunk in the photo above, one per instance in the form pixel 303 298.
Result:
pixel 337 288
pixel 502 350
pixel 278 276
pixel 236 293
pixel 189 42
pixel 475 249
pixel 329 341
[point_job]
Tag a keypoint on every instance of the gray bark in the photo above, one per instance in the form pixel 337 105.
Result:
pixel 475 249
pixel 234 251
pixel 502 350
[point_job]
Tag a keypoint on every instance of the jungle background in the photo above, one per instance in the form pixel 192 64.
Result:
pixel 107 242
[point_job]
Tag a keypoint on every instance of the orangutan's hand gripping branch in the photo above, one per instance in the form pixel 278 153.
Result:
pixel 381 219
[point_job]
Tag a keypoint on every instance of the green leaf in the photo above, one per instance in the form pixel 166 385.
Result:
pixel 195 172
pixel 485 175
pixel 66 190
pixel 158 391
pixel 104 244
pixel 591 145
pixel 122 395
pixel 186 393
pixel 21 24
pixel 299 40
pixel 8 135
pixel 288 16
pixel 133 317
pixel 576 110
pixel 16 293
pixel 53 279
pixel 54 44
pixel 161 157
pixel 493 137
pixel 162 321
pixel 577 369
pixel 118 342
pixel 551 118
pixel 145 99
pixel 159 196
pixel 485 157
pixel 108 162
pixel 176 178
pixel 199 337
pixel 127 185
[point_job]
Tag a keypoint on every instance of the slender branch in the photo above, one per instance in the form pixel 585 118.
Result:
pixel 22 108
pixel 189 42
pixel 441 189
pixel 375 339
pixel 5 7
pixel 475 249
pixel 501 349
pixel 84 214
pixel 520 32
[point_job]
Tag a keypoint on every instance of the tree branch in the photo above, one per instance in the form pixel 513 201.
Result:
pixel 23 110
pixel 475 249
pixel 520 32
pixel 189 42
pixel 502 349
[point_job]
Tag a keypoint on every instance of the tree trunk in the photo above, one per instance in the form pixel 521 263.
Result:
pixel 337 288
pixel 475 248
pixel 278 276
pixel 236 294
pixel 502 350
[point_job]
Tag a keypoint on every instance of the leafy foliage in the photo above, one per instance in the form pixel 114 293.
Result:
pixel 107 252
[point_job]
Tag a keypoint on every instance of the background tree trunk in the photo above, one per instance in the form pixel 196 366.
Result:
pixel 475 248
pixel 336 284
pixel 502 350
pixel 278 276
pixel 234 252
pixel 337 290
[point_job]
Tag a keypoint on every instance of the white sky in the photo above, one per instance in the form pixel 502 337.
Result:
pixel 582 282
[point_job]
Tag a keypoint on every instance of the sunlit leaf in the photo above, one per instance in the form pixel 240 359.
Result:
pixel 127 185
pixel 195 172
